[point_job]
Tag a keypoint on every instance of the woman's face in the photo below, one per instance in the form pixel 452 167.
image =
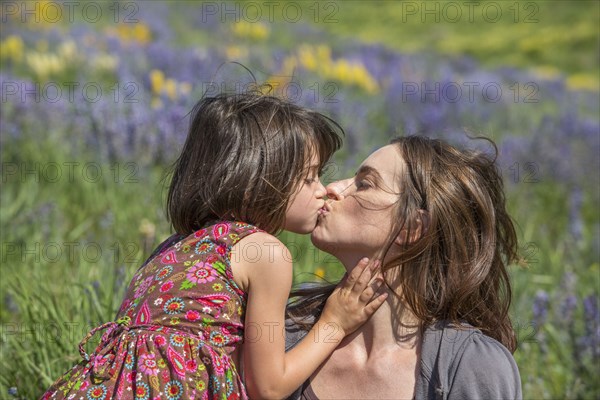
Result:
pixel 357 218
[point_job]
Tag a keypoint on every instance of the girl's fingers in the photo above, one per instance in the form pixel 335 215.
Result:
pixel 362 282
pixel 371 290
pixel 375 304
pixel 375 272
pixel 375 265
pixel 368 276
pixel 366 295
pixel 356 273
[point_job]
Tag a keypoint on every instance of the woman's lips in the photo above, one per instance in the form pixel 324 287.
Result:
pixel 324 210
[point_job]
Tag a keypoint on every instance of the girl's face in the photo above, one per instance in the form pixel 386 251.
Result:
pixel 358 218
pixel 304 208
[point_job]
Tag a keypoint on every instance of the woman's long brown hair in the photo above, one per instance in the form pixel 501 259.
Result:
pixel 457 270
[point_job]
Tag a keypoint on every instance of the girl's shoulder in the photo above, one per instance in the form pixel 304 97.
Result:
pixel 261 248
pixel 261 261
pixel 221 235
pixel 224 230
pixel 225 233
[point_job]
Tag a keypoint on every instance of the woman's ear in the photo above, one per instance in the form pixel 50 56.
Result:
pixel 421 225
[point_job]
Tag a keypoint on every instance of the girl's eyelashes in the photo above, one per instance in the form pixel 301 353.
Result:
pixel 312 177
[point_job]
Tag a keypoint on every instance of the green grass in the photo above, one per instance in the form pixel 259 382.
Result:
pixel 50 301
pixel 58 301
pixel 561 35
pixel 552 38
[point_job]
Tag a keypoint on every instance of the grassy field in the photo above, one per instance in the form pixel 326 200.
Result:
pixel 523 34
pixel 82 179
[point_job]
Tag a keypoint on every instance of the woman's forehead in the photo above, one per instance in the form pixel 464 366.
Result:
pixel 386 159
pixel 386 162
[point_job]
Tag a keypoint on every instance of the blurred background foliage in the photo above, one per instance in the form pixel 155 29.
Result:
pixel 94 111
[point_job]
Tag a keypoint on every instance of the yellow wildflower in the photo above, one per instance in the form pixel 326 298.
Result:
pixel 43 64
pixel 320 272
pixel 157 81
pixel 319 59
pixel 583 81
pixel 12 48
pixel 141 32
pixel 68 49
pixel 324 53
pixel 236 52
pixel 161 85
pixel 171 88
pixel 105 62
pixel 307 58
pixel 547 72
pixel 138 32
pixel 252 30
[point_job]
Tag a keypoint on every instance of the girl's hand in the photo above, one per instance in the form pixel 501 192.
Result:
pixel 351 304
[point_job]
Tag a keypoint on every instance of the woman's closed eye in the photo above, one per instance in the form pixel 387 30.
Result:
pixel 362 184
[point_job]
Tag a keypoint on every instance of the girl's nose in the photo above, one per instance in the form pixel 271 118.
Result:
pixel 321 191
pixel 338 189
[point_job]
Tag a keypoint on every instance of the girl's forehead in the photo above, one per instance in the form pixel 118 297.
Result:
pixel 313 156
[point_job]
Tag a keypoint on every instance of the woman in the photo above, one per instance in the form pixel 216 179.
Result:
pixel 436 217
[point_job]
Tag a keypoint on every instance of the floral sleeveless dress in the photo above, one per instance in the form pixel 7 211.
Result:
pixel 175 332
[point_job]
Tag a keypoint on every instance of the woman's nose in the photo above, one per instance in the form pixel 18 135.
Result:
pixel 338 189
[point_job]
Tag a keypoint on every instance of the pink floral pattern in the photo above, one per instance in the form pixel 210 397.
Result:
pixel 201 273
pixel 176 330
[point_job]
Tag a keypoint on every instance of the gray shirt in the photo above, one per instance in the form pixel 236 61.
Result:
pixel 454 364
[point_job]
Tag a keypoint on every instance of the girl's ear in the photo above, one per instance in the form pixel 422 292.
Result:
pixel 421 225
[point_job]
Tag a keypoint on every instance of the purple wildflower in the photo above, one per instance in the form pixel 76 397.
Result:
pixel 540 307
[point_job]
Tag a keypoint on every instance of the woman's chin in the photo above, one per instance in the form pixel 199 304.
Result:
pixel 320 241
pixel 315 237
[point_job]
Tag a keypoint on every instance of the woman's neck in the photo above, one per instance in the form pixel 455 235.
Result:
pixel 392 325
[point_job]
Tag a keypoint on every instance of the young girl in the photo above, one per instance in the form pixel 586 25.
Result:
pixel 219 281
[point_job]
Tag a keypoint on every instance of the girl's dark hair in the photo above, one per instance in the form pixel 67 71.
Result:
pixel 457 270
pixel 243 159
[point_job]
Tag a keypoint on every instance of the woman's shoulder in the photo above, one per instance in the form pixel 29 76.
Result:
pixel 458 338
pixel 465 363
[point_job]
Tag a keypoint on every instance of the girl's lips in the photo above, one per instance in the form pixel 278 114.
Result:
pixel 324 210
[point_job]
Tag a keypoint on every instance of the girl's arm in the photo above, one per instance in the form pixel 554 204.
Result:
pixel 269 371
